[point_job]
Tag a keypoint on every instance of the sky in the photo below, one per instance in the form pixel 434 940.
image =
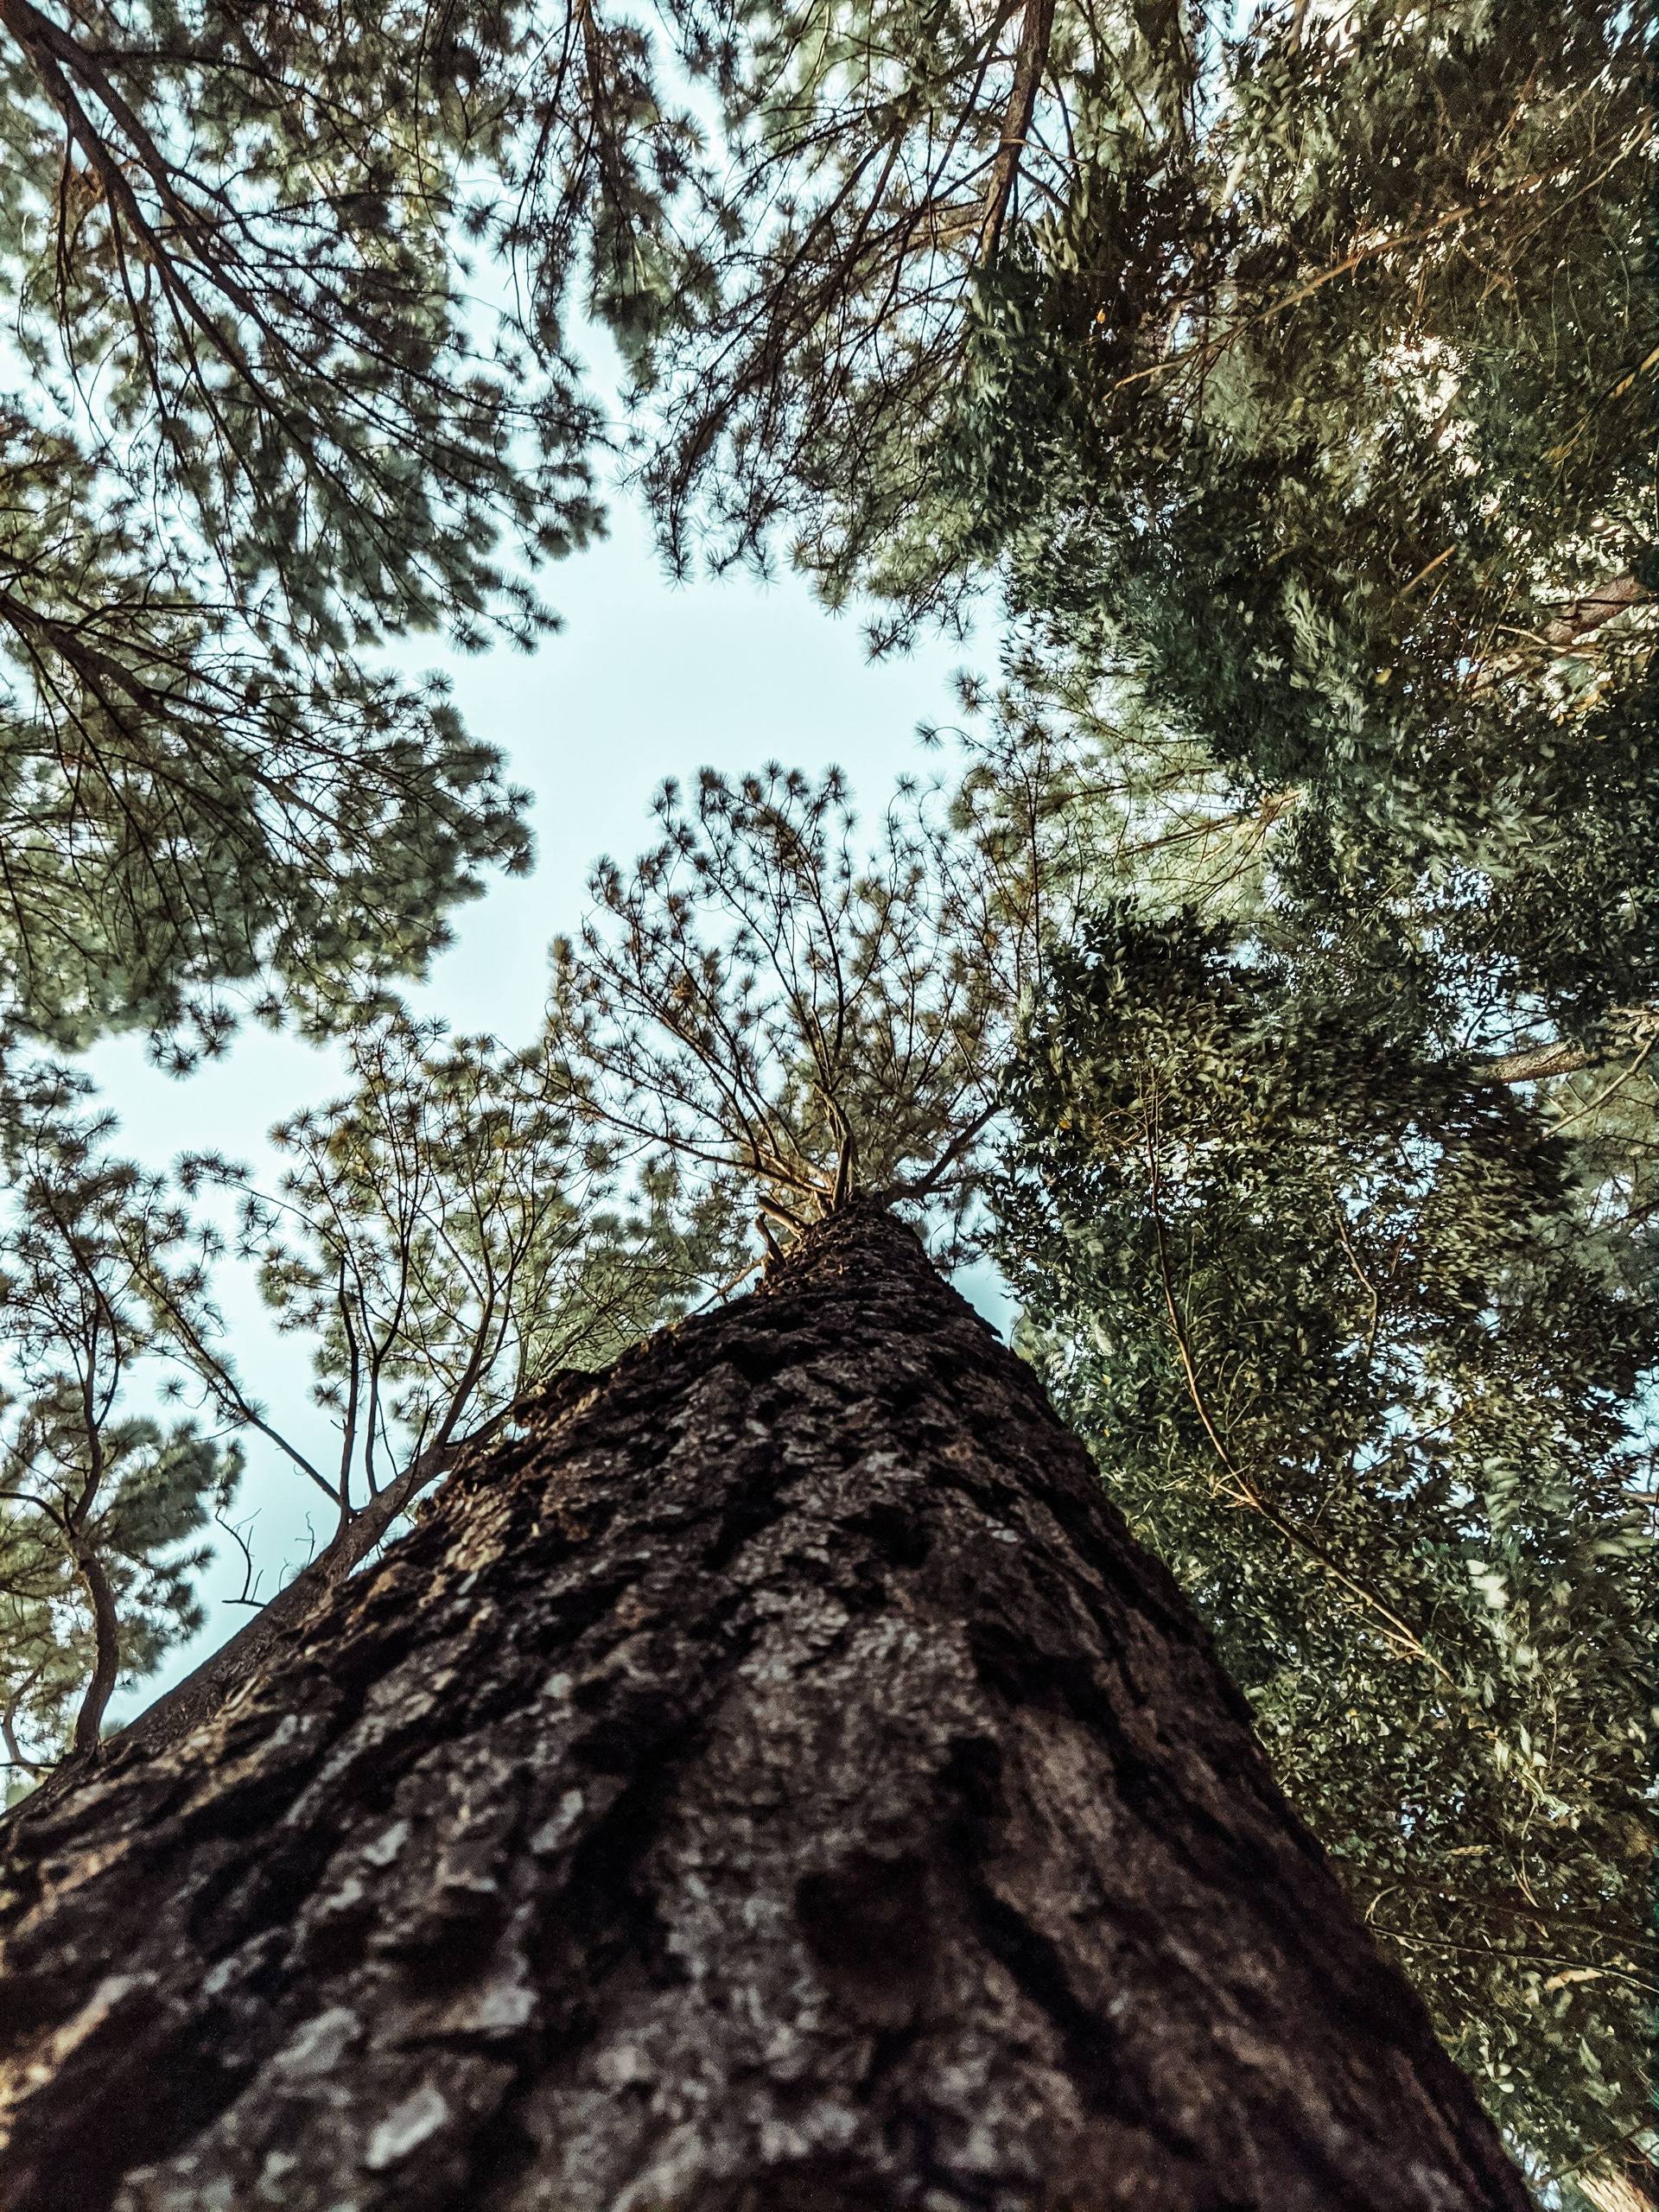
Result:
pixel 648 678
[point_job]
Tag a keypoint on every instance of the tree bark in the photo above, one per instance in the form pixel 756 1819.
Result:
pixel 1580 617
pixel 242 1658
pixel 1031 57
pixel 1628 1028
pixel 106 1642
pixel 775 1782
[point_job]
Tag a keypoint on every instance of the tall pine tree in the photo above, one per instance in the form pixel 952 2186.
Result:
pixel 1328 1310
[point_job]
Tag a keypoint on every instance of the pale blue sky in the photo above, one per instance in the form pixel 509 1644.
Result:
pixel 647 679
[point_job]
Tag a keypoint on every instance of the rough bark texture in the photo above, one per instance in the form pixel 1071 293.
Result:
pixel 1627 1029
pixel 775 1782
pixel 242 1658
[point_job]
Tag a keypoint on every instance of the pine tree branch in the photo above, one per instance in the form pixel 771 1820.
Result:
pixel 924 1186
pixel 1628 1027
pixel 1029 61
pixel 1610 2178
pixel 1580 617
pixel 1241 1486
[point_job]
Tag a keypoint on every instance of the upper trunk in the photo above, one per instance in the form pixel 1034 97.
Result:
pixel 776 1781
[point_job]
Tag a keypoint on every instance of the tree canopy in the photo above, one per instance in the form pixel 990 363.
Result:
pixel 797 1010
pixel 269 407
pixel 102 1509
pixel 1329 1311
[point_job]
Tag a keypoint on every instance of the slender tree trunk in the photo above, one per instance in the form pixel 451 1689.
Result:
pixel 107 1645
pixel 773 1784
pixel 1036 26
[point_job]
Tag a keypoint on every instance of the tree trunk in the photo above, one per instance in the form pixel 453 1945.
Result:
pixel 243 1657
pixel 773 1784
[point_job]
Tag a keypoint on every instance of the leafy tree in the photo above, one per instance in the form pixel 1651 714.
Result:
pixel 450 1239
pixel 1234 348
pixel 101 1510
pixel 764 1012
pixel 1293 374
pixel 268 412
pixel 783 1005
pixel 829 1530
pixel 445 1236
pixel 776 1778
pixel 1352 1352
pixel 97 1569
pixel 1298 381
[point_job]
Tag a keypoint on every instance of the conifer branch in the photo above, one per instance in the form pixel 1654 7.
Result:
pixel 1030 59
pixel 1626 1026
pixel 1241 1487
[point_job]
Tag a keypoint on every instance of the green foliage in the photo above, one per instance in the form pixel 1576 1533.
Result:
pixel 789 1011
pixel 157 1489
pixel 101 1511
pixel 268 410
pixel 285 382
pixel 869 170
pixel 1292 375
pixel 1306 401
pixel 184 808
pixel 449 1233
pixel 1297 388
pixel 1331 1311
